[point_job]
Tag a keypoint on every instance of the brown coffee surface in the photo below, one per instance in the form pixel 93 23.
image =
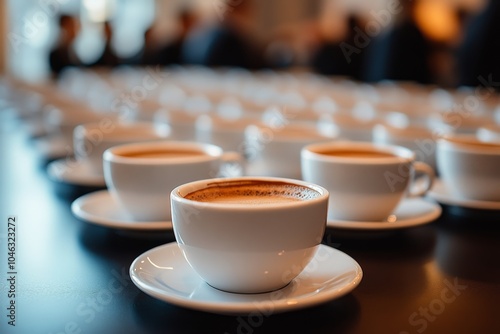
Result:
pixel 253 192
pixel 358 154
pixel 162 154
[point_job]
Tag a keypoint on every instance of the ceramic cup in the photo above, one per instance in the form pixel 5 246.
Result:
pixel 489 133
pixel 470 167
pixel 224 132
pixel 92 139
pixel 366 181
pixel 274 150
pixel 62 119
pixel 420 139
pixel 250 234
pixel 182 124
pixel 140 176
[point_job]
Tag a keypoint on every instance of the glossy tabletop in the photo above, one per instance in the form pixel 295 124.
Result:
pixel 73 277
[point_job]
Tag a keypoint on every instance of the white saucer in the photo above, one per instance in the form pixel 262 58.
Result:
pixel 100 208
pixel 442 194
pixel 164 273
pixel 410 212
pixel 74 172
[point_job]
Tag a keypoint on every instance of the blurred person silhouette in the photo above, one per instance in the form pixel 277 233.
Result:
pixel 401 52
pixel 478 57
pixel 108 57
pixel 63 54
pixel 224 41
pixel 169 52
pixel 332 57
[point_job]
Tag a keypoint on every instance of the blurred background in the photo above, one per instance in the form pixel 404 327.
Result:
pixel 426 41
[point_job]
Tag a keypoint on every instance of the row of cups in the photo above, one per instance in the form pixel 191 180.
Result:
pixel 219 231
pixel 227 228
pixel 375 177
pixel 271 148
pixel 195 116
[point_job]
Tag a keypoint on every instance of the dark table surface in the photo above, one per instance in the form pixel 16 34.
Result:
pixel 443 277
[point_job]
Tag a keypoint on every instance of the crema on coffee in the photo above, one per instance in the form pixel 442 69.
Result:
pixel 162 154
pixel 252 192
pixel 365 154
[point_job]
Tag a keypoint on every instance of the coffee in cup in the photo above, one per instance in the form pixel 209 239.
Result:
pixel 140 176
pixel 249 234
pixel 470 168
pixel 92 139
pixel 366 181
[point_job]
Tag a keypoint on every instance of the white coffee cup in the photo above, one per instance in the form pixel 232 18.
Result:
pixel 418 138
pixel 221 131
pixel 469 167
pixel 92 139
pixel 182 124
pixel 489 133
pixel 140 176
pixel 366 181
pixel 250 234
pixel 275 150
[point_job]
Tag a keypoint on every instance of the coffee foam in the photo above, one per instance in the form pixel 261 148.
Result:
pixel 257 193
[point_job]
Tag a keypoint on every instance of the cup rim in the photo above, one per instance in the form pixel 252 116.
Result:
pixel 211 152
pixel 469 143
pixel 494 128
pixel 179 192
pixel 401 154
pixel 153 130
pixel 410 132
pixel 287 133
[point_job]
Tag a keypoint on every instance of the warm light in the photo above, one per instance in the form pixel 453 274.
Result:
pixel 437 20
pixel 157 266
pixel 392 219
pixel 99 10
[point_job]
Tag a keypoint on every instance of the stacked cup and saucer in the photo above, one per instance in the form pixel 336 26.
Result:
pixel 247 245
pixel 469 168
pixel 140 176
pixel 373 187
pixel 90 140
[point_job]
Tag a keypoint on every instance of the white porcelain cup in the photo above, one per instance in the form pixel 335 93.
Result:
pixel 489 133
pixel 419 138
pixel 140 176
pixel 469 167
pixel 366 181
pixel 274 150
pixel 250 234
pixel 221 131
pixel 181 123
pixel 92 139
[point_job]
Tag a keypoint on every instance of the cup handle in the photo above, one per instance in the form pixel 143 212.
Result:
pixel 428 173
pixel 232 165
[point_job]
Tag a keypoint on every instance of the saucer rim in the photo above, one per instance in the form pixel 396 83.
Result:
pixel 244 307
pixel 440 194
pixel 420 220
pixel 78 211
pixel 87 180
